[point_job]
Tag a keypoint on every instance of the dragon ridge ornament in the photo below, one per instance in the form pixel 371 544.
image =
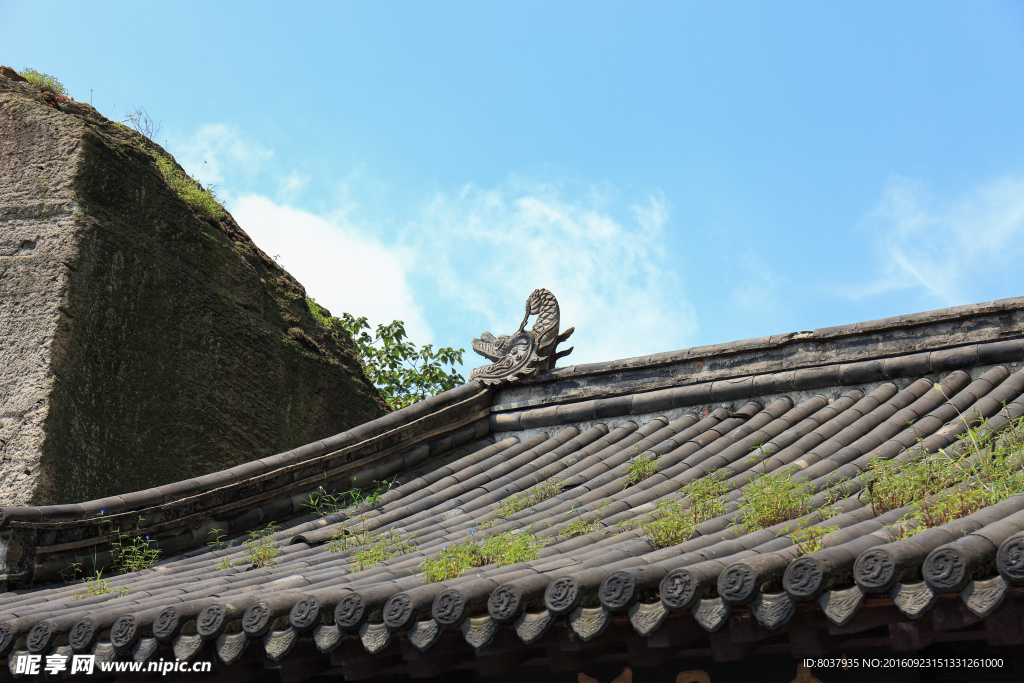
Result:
pixel 525 351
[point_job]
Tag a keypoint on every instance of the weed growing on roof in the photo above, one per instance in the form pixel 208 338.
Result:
pixel 773 498
pixel 580 527
pixel 260 549
pixel 218 543
pixel 538 493
pixel 706 496
pixel 218 540
pixel 131 553
pixel 811 539
pixel 674 523
pixel 950 505
pixel 509 547
pixel 97 585
pixel 385 545
pixel 640 466
pixel 892 484
pixel 369 547
pixel 950 484
pixel 323 502
pixel 44 82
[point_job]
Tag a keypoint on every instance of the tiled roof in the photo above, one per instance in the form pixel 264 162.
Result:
pixel 826 402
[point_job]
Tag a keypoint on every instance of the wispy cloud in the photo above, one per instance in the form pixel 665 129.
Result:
pixel 485 250
pixel 339 263
pixel 217 152
pixel 948 249
pixel 465 261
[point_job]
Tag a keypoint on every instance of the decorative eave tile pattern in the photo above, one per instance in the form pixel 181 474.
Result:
pixel 457 455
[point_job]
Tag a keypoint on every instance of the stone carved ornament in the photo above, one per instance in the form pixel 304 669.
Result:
pixel 525 351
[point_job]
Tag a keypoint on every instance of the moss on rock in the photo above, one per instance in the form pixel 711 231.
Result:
pixel 174 345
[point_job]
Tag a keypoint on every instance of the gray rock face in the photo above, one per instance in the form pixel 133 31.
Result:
pixel 141 344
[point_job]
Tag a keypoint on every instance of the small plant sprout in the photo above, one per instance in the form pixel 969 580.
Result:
pixel 674 523
pixel 501 549
pixel 641 466
pixel 773 498
pixel 131 553
pixel 97 585
pixel 370 547
pixel 260 548
pixel 218 539
pixel 810 539
pixel 580 527
pixel 323 502
pixel 538 493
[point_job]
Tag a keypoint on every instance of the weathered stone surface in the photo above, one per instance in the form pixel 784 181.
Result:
pixel 140 344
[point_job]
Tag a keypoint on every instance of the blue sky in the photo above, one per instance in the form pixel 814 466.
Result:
pixel 677 173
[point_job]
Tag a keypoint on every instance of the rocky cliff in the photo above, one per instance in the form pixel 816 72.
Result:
pixel 141 343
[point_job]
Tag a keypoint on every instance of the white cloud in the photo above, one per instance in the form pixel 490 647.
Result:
pixel 291 185
pixel 216 152
pixel 339 265
pixel 486 250
pixel 951 251
pixel 466 260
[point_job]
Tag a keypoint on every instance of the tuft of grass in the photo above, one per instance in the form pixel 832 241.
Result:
pixel 580 528
pixel 260 549
pixel 983 469
pixel 773 498
pixel 131 553
pixel 324 502
pixel 202 200
pixel 218 542
pixel 641 466
pixel 509 547
pixel 707 497
pixel 811 539
pixel 97 585
pixel 44 82
pixel 538 493
pixel 950 505
pixel 370 547
pixel 674 523
pixel 894 484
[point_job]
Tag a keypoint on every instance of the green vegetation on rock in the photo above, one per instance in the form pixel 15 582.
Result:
pixel 44 82
pixel 202 200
